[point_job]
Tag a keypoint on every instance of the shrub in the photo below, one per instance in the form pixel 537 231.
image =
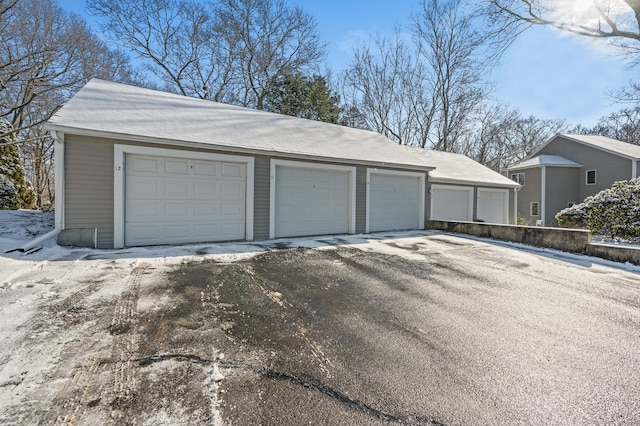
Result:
pixel 8 194
pixel 613 212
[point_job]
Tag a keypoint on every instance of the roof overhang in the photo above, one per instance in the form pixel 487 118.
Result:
pixel 227 148
pixel 473 183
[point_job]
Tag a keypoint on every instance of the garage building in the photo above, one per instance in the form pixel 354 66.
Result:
pixel 140 167
pixel 462 189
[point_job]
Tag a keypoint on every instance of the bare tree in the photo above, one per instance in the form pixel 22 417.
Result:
pixel 623 125
pixel 264 40
pixel 223 50
pixel 47 54
pixel 453 46
pixel 388 86
pixel 503 137
pixel 617 20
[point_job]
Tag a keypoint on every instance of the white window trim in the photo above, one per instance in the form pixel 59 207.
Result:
pixel 469 189
pixel 586 177
pixel 505 195
pixel 531 209
pixel 518 181
pixel 421 188
pixel 119 153
pixel 317 166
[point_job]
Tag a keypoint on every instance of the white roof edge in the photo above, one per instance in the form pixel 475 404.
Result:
pixel 474 183
pixel 226 148
pixel 534 166
pixel 574 139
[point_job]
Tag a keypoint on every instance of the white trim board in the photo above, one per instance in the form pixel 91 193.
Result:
pixel 317 166
pixel 119 153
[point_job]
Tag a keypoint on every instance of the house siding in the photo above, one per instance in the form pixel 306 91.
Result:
pixel 261 196
pixel 361 200
pixel 562 185
pixel 529 193
pixel 89 187
pixel 609 167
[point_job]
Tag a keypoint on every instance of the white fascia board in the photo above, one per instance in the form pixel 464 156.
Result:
pixel 119 153
pixel 422 189
pixel 231 149
pixel 317 166
pixel 473 183
pixel 59 171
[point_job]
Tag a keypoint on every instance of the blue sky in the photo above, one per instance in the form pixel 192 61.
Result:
pixel 543 73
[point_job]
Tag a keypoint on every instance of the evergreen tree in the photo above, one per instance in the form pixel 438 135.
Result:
pixel 11 166
pixel 8 194
pixel 302 96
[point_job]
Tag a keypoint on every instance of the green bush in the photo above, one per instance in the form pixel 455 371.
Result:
pixel 613 212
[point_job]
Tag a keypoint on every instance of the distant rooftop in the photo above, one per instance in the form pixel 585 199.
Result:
pixel 458 168
pixel 545 160
pixel 607 144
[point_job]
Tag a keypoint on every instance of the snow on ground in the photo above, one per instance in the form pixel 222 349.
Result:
pixel 50 300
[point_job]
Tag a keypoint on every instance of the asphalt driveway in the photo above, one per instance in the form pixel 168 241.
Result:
pixel 419 329
pixel 427 330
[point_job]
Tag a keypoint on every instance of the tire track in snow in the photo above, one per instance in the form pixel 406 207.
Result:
pixel 124 348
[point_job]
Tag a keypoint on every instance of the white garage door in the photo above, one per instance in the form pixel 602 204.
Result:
pixel 394 202
pixel 174 200
pixel 451 203
pixel 493 205
pixel 311 201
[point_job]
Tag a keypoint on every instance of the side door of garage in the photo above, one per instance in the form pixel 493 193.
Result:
pixel 311 199
pixel 450 202
pixel 395 200
pixel 493 205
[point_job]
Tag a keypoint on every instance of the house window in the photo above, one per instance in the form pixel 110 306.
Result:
pixel 591 177
pixel 535 209
pixel 518 177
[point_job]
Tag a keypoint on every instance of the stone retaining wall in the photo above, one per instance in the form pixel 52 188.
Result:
pixel 570 240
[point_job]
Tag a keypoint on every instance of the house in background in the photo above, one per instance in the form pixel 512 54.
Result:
pixel 567 169
pixel 464 190
pixel 139 167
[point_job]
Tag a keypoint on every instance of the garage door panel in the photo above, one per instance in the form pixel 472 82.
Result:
pixel 492 206
pixel 451 204
pixel 311 201
pixel 173 200
pixel 144 165
pixel 394 202
pixel 232 170
pixel 202 168
pixel 176 167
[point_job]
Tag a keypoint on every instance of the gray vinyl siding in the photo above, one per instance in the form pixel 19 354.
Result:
pixel 530 192
pixel 427 200
pixel 89 192
pixel 562 188
pixel 609 167
pixel 361 200
pixel 89 187
pixel 261 198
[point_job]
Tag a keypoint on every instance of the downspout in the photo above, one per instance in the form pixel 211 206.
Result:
pixel 59 179
pixel 543 193
pixel 634 169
